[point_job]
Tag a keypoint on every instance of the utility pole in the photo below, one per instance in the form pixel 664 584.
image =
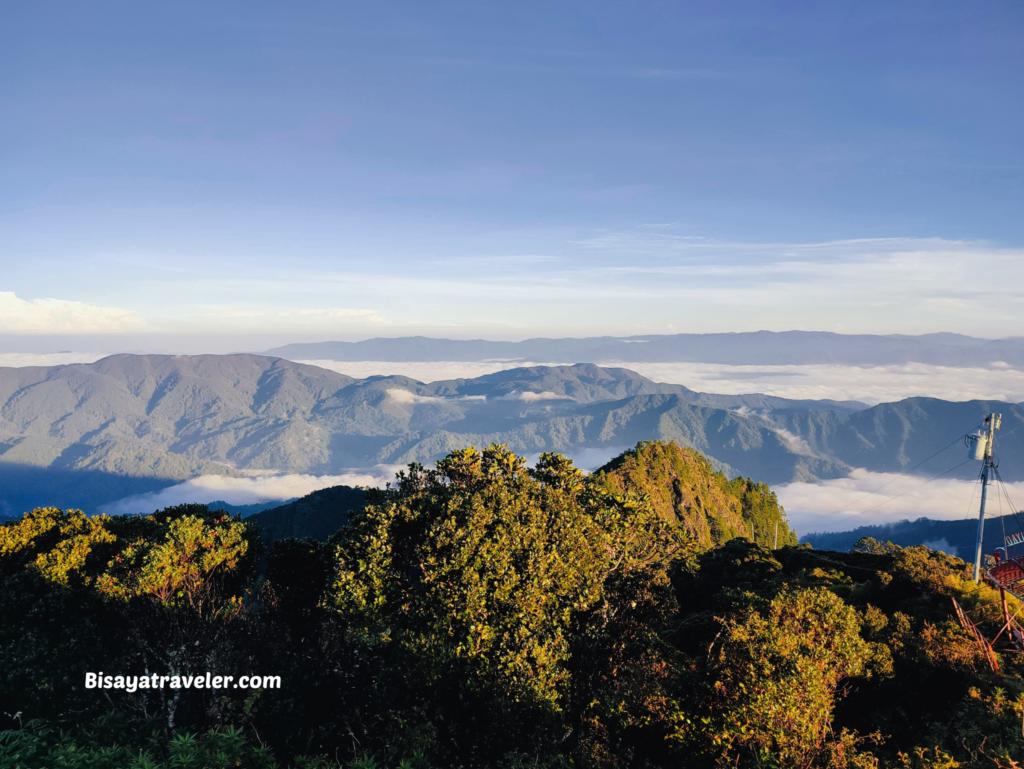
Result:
pixel 982 446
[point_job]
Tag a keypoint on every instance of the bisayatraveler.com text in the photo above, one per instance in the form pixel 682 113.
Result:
pixel 157 681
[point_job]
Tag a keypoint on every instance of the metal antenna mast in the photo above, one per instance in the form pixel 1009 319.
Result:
pixel 982 446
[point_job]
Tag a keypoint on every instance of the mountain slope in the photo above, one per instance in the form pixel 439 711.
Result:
pixel 169 418
pixel 316 515
pixel 684 487
pixel 894 437
pixel 178 416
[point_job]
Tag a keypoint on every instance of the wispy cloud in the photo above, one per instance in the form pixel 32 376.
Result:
pixel 528 396
pixel 61 316
pixel 410 398
pixel 642 280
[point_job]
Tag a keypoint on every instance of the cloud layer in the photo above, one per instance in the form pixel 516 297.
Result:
pixel 248 491
pixel 868 384
pixel 557 283
pixel 846 503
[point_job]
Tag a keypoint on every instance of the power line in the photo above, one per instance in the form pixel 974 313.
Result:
pixel 934 478
pixel 973 495
pixel 1005 493
pixel 1002 518
pixel 896 478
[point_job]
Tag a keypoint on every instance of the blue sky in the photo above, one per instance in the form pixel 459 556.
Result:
pixel 343 170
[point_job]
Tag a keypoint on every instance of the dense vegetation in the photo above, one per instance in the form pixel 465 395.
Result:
pixel 488 614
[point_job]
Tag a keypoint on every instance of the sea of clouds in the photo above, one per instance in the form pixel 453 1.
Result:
pixel 249 490
pixel 866 499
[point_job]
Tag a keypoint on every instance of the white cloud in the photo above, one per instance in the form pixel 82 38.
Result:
pixel 247 491
pixel 60 316
pixel 406 397
pixel 846 503
pixel 21 359
pixel 645 280
pixel 795 443
pixel 528 396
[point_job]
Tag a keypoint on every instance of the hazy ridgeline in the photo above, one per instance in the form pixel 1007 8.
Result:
pixel 759 348
pixel 87 435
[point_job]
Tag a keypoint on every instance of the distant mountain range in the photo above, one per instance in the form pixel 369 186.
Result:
pixel 316 515
pixel 954 537
pixel 754 348
pixel 88 434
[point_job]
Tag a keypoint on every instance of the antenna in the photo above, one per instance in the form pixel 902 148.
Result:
pixel 982 444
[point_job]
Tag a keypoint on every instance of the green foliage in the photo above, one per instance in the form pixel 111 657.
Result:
pixel 478 571
pixel 185 561
pixel 684 488
pixel 129 594
pixel 773 677
pixel 761 507
pixel 872 545
pixel 488 614
pixel 56 544
pixel 182 556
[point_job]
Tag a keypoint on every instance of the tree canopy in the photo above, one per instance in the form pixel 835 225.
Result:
pixel 489 613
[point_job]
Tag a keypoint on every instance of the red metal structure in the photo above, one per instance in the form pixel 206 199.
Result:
pixel 1008 576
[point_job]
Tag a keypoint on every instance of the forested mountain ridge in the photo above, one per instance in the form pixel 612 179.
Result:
pixel 892 437
pixel 169 418
pixel 315 516
pixel 681 483
pixel 685 489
